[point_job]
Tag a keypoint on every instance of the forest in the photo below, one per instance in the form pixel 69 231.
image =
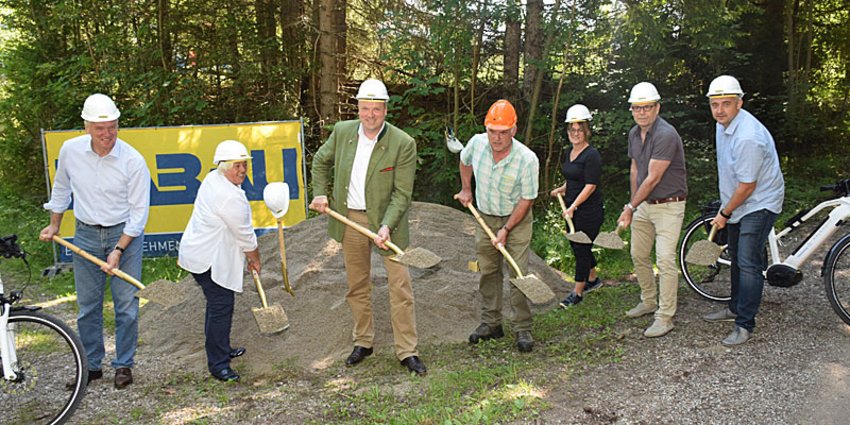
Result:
pixel 444 61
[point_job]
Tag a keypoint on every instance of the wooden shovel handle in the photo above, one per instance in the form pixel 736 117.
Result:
pixel 116 271
pixel 361 229
pixel 283 271
pixel 260 288
pixel 564 209
pixel 492 236
pixel 712 232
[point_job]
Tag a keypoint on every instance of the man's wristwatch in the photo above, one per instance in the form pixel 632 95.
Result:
pixel 631 207
pixel 119 249
pixel 724 215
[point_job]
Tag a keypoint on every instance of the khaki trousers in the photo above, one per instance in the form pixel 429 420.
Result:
pixel 357 251
pixel 492 278
pixel 659 224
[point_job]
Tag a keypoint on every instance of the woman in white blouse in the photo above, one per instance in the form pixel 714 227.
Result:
pixel 214 246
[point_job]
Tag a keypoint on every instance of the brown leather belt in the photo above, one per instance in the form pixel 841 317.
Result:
pixel 665 200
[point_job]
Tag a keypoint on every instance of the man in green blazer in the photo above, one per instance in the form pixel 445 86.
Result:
pixel 372 165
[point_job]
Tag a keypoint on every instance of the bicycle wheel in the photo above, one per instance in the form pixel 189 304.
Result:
pixel 836 278
pixel 712 282
pixel 51 368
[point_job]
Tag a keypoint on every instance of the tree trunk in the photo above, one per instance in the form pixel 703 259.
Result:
pixel 513 37
pixel 296 66
pixel 164 34
pixel 553 125
pixel 328 82
pixel 341 29
pixel 539 72
pixel 533 44
pixel 476 55
pixel 267 35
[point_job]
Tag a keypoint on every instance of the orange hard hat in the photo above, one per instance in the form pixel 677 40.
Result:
pixel 501 116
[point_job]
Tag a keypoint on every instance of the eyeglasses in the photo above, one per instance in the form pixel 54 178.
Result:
pixel 575 130
pixel 642 108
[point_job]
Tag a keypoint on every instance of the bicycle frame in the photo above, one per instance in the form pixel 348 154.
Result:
pixel 7 340
pixel 840 212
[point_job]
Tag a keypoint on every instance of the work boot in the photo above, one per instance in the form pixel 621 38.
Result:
pixel 641 310
pixel 484 332
pixel 660 327
pixel 524 341
pixel 724 315
pixel 737 337
pixel 123 377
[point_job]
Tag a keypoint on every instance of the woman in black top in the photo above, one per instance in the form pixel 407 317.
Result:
pixel 582 169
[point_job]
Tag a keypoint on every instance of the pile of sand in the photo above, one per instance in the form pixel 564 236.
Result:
pixel 447 300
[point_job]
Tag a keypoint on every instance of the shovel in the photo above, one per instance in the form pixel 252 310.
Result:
pixel 577 237
pixel 530 285
pixel 610 240
pixel 163 292
pixel 270 320
pixel 420 258
pixel 276 197
pixel 705 253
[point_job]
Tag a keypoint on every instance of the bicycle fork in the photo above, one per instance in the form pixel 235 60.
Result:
pixel 7 343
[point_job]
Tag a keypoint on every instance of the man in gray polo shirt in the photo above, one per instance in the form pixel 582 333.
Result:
pixel 656 208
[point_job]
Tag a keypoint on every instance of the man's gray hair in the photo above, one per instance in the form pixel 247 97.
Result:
pixel 225 165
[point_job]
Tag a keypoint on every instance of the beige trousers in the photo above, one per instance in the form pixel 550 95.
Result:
pixel 492 278
pixel 659 224
pixel 357 251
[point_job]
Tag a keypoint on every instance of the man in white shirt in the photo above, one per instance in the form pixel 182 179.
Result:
pixel 110 183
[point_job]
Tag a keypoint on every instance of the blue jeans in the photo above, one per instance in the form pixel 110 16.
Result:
pixel 747 239
pixel 90 283
pixel 217 321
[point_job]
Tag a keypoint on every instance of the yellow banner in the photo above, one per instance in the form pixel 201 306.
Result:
pixel 180 157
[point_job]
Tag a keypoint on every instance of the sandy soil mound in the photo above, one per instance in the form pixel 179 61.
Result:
pixel 447 300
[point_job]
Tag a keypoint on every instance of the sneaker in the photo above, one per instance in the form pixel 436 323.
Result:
pixel 641 310
pixel 524 341
pixel 724 315
pixel 660 327
pixel 484 332
pixel 593 285
pixel 571 300
pixel 737 337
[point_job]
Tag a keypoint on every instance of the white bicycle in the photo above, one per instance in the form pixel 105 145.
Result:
pixel 713 282
pixel 44 368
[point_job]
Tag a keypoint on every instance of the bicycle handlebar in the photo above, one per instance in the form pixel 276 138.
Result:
pixel 841 187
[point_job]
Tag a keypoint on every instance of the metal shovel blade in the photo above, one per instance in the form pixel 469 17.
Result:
pixel 534 289
pixel 271 319
pixel 579 237
pixel 610 240
pixel 163 292
pixel 705 253
pixel 419 258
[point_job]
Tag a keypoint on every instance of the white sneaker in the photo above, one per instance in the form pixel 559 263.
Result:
pixel 724 315
pixel 660 327
pixel 641 310
pixel 737 337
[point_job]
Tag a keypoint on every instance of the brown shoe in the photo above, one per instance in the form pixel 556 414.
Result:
pixel 123 377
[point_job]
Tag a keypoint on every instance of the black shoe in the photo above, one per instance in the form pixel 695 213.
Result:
pixel 93 375
pixel 485 332
pixel 357 355
pixel 413 364
pixel 524 341
pixel 236 352
pixel 123 377
pixel 571 300
pixel 592 285
pixel 227 375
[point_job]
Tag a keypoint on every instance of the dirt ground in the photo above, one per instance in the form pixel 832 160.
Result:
pixel 320 319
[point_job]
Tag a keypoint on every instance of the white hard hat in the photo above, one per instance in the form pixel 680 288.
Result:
pixel 644 93
pixel 276 197
pixel 578 113
pixel 230 150
pixel 374 90
pixel 100 108
pixel 724 86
